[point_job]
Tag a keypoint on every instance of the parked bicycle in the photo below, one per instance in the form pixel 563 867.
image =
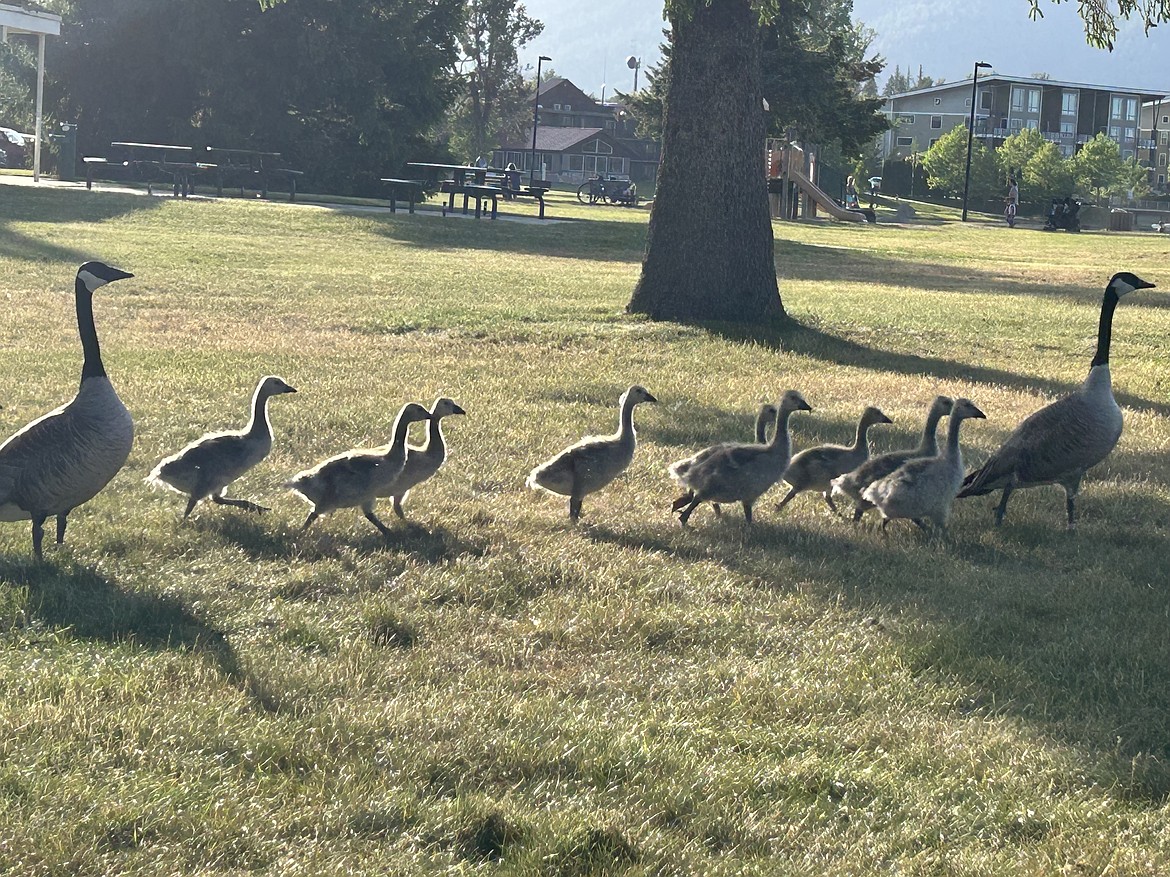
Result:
pixel 597 190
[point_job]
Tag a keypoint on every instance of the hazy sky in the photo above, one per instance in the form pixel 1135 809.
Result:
pixel 589 42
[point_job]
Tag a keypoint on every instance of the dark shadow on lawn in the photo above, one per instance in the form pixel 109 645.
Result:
pixel 596 239
pixel 801 261
pixel 260 540
pixel 793 337
pixel 32 205
pixel 1079 668
pixel 92 607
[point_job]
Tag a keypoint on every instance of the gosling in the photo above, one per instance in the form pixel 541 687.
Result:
pixel 593 462
pixel 766 416
pixel 925 488
pixel 423 462
pixel 815 468
pixel 209 464
pixel 354 479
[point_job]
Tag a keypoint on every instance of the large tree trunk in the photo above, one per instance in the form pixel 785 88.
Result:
pixel 709 252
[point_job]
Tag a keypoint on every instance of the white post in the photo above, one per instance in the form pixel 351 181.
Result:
pixel 40 106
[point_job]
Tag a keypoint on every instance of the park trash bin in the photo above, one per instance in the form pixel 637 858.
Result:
pixel 66 143
pixel 1120 220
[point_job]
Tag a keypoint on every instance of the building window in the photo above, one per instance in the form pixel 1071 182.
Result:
pixel 1130 134
pixel 936 121
pixel 1068 103
pixel 1164 137
pixel 937 101
pixel 1033 100
pixel 1034 124
pixel 1115 132
pixel 1115 108
pixel 557 107
pixel 934 140
pixel 597 146
pixel 1161 179
pixel 1068 127
pixel 1161 159
pixel 1018 99
pixel 1016 124
pixel 967 102
pixel 568 108
pixel 1131 109
pixel 905 141
pixel 986 99
pixel 1166 120
pixel 906 120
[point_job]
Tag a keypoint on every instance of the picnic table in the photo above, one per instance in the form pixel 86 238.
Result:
pixel 152 162
pixel 472 181
pixel 250 166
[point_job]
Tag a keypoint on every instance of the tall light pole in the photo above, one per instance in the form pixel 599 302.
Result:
pixel 535 120
pixel 971 135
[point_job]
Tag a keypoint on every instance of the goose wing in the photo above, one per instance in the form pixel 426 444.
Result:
pixel 874 469
pixel 1067 437
pixel 217 457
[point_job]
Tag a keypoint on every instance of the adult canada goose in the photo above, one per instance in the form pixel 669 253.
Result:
pixel 853 484
pixel 423 462
pixel 1062 441
pixel 815 468
pixel 593 462
pixel 925 488
pixel 740 473
pixel 209 464
pixel 766 416
pixel 63 459
pixel 356 478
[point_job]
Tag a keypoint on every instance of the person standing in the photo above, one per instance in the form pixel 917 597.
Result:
pixel 1011 202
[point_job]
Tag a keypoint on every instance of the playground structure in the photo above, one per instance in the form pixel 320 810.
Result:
pixel 787 178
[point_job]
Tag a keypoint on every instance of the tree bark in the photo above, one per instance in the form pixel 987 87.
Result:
pixel 709 251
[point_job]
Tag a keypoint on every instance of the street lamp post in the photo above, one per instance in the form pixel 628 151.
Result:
pixel 535 121
pixel 971 135
pixel 634 64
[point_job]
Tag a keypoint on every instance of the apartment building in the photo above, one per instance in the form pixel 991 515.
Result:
pixel 1067 113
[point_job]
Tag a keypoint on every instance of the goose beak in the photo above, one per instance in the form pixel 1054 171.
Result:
pixel 650 398
pixel 119 274
pixel 885 419
pixel 976 413
pixel 455 409
pixel 1145 284
pixel 289 389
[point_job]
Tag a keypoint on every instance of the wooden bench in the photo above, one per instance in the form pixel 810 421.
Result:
pixel 407 190
pixel 469 191
pixel 95 165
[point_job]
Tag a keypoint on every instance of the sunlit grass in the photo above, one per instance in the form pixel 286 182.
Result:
pixel 496 690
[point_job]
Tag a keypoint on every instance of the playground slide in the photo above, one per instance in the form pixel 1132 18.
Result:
pixel 823 200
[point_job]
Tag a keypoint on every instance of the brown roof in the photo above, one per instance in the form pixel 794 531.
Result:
pixel 550 139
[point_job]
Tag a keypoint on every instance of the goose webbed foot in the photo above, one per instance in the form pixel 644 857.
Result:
pixel 247 505
pixel 368 511
pixel 791 493
pixel 685 514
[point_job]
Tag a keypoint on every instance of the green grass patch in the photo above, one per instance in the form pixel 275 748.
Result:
pixel 493 689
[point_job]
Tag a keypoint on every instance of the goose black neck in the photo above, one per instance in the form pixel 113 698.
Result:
pixel 1105 329
pixel 259 421
pixel 401 427
pixel 435 433
pixel 92 366
pixel 862 432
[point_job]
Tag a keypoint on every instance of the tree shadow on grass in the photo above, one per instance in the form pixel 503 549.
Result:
pixel 848 265
pixel 92 607
pixel 1072 658
pixel 793 337
pixel 25 204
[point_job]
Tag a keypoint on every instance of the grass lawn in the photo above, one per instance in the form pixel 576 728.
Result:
pixel 494 690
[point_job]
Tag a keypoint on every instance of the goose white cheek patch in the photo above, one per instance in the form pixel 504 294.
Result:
pixel 92 281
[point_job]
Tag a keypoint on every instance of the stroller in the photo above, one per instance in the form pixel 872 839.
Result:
pixel 1063 215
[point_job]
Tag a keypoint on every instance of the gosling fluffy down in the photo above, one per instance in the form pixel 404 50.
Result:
pixel 924 489
pixel 593 462
pixel 209 464
pixel 423 462
pixel 815 468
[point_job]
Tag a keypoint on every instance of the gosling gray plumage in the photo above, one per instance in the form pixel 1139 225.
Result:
pixel 209 464
pixel 740 473
pixel 63 459
pixel 815 468
pixel 423 462
pixel 593 462
pixel 853 484
pixel 354 479
pixel 766 417
pixel 925 488
pixel 1059 443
